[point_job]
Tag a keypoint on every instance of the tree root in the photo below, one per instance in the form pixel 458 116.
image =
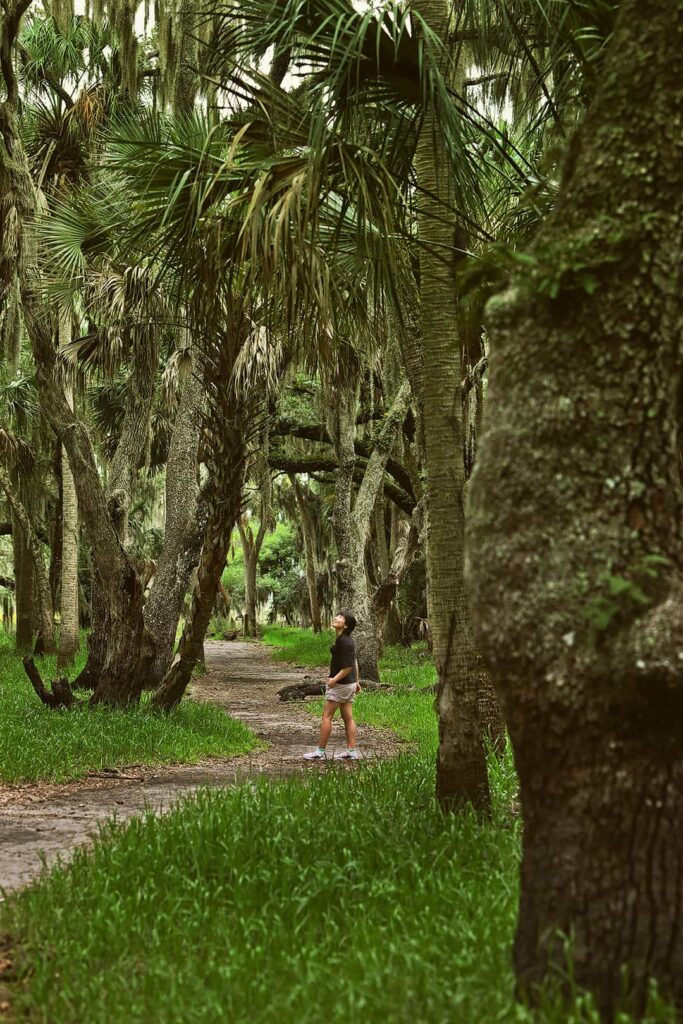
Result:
pixel 59 696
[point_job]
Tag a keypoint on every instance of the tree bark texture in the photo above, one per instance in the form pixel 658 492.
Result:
pixel 461 775
pixel 68 602
pixel 23 592
pixel 224 500
pixel 41 583
pixel 575 547
pixel 224 423
pixel 309 553
pixel 185 523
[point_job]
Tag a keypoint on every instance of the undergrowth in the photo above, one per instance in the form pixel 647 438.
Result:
pixel 40 744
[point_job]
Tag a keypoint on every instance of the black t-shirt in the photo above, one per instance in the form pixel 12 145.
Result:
pixel 343 653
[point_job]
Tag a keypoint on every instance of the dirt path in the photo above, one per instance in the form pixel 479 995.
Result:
pixel 50 820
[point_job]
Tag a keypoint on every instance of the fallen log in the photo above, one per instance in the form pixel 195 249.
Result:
pixel 310 688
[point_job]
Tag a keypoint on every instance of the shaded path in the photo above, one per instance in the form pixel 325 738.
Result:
pixel 241 677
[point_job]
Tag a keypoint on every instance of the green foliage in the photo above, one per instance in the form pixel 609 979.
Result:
pixel 614 593
pixel 279 577
pixel 37 743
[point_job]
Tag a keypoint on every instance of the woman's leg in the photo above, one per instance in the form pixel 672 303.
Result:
pixel 349 724
pixel 326 724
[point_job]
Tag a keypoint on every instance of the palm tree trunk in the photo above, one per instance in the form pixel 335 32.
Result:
pixel 575 543
pixel 461 776
pixel 68 629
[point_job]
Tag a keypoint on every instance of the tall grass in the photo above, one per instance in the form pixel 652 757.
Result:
pixel 346 897
pixel 37 743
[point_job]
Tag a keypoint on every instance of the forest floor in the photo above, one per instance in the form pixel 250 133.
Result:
pixel 41 822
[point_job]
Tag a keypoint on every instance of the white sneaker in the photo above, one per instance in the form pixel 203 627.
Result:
pixel 315 755
pixel 348 755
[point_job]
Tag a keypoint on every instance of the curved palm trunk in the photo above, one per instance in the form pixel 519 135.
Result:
pixel 575 542
pixel 224 504
pixel 185 525
pixel 461 764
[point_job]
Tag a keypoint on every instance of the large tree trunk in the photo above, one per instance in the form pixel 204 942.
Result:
pixel 68 628
pixel 309 554
pixel 131 452
pixel 575 542
pixel 184 530
pixel 250 589
pixel 461 775
pixel 406 549
pixel 224 503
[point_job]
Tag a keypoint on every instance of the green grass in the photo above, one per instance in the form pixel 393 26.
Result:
pixel 38 744
pixel 348 896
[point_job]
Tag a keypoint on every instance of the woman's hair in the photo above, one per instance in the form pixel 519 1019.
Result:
pixel 349 619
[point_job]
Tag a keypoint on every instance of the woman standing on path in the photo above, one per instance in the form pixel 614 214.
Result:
pixel 342 687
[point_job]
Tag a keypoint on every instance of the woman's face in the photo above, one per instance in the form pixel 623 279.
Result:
pixel 339 622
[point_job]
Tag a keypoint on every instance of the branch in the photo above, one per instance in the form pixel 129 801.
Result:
pixel 6 531
pixel 474 376
pixel 382 445
pixel 471 82
pixel 318 432
pixel 314 464
pixel 7 583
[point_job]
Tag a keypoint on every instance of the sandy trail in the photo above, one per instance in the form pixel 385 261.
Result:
pixel 51 820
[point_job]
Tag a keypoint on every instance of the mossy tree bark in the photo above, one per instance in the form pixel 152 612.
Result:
pixel 461 775
pixel 575 546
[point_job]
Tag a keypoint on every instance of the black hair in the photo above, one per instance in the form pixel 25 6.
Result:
pixel 349 619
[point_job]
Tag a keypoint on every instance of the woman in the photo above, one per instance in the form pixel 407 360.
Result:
pixel 342 687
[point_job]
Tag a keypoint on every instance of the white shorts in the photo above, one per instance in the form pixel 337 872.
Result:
pixel 342 693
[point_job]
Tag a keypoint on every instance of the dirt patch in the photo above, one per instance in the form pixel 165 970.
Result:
pixel 48 821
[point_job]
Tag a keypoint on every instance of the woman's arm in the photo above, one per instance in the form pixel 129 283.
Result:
pixel 340 676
